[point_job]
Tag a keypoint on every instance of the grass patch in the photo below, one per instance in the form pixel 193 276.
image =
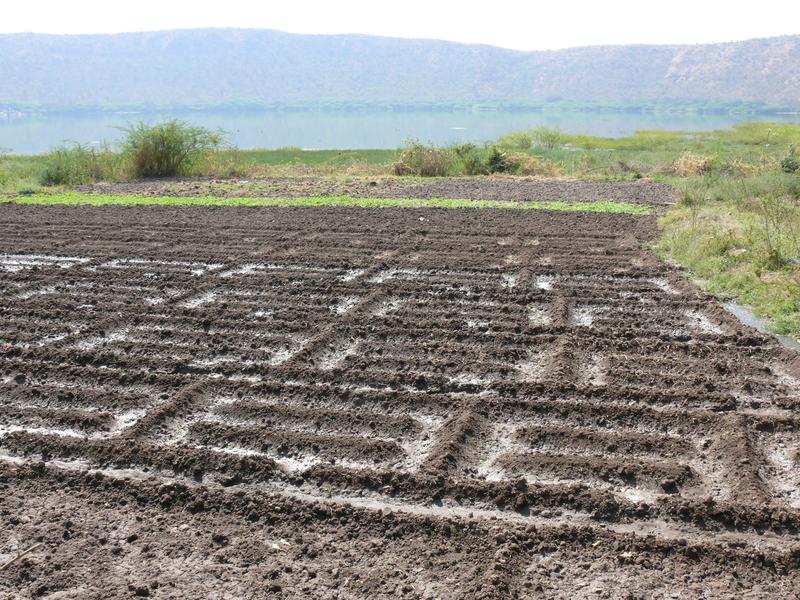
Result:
pixel 316 158
pixel 76 199
pixel 76 164
pixel 746 150
pixel 19 173
pixel 27 172
pixel 746 249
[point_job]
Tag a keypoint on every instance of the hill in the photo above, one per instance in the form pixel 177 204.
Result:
pixel 216 67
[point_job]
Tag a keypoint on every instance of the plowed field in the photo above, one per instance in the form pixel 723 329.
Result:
pixel 355 403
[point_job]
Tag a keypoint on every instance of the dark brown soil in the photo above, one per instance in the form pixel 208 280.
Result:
pixel 347 403
pixel 470 188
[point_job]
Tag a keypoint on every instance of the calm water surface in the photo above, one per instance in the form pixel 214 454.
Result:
pixel 347 130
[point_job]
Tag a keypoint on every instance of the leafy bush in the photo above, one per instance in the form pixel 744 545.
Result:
pixel 423 160
pixel 167 149
pixel 77 164
pixel 789 163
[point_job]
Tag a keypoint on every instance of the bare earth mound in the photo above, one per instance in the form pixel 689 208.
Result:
pixel 466 188
pixel 348 403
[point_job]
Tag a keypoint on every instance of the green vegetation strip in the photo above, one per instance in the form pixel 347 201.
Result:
pixel 73 199
pixel 748 251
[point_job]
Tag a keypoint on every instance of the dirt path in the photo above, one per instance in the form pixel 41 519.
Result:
pixel 348 403
pixel 469 188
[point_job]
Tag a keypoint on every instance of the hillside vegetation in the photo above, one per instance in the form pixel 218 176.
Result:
pixel 216 67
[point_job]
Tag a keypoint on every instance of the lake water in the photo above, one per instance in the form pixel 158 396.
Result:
pixel 348 130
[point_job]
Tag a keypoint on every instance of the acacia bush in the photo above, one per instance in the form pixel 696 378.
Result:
pixel 167 149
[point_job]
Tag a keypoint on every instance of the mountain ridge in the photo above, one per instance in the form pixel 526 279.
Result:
pixel 221 66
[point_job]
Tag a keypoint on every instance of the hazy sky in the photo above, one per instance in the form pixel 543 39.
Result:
pixel 527 25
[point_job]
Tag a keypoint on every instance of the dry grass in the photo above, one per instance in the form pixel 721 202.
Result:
pixel 691 164
pixel 423 160
pixel 525 164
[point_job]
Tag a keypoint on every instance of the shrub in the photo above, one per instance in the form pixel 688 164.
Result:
pixel 497 161
pixel 779 231
pixel 518 140
pixel 691 164
pixel 77 164
pixel 549 138
pixel 468 159
pixel 167 149
pixel 545 137
pixel 525 164
pixel 789 163
pixel 423 160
